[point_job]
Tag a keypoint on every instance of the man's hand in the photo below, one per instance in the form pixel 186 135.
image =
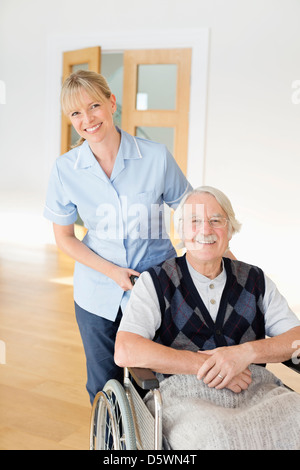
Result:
pixel 226 367
pixel 239 382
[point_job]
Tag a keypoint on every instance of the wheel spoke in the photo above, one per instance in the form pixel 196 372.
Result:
pixel 113 427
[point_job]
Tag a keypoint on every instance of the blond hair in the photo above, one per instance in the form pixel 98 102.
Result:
pixel 83 80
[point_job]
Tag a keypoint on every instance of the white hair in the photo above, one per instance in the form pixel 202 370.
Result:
pixel 233 225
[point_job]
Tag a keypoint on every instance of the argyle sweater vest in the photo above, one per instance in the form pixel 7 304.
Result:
pixel 186 322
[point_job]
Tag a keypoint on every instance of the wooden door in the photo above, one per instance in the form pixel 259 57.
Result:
pixel 175 117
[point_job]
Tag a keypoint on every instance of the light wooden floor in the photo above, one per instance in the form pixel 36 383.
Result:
pixel 43 400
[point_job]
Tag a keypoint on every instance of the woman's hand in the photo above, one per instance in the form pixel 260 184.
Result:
pixel 69 244
pixel 122 277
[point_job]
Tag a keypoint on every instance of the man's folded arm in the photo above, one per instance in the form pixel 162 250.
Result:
pixel 132 350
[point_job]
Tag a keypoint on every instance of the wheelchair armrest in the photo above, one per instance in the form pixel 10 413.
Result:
pixel 144 378
pixel 291 365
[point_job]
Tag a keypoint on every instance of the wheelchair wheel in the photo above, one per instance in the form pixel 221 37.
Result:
pixel 112 426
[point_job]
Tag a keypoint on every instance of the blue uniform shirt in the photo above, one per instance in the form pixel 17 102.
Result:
pixel 123 214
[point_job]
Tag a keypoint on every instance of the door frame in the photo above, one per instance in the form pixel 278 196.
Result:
pixel 118 41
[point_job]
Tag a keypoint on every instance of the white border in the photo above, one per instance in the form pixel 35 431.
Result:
pixel 197 39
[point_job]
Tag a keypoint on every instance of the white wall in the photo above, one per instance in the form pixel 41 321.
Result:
pixel 252 139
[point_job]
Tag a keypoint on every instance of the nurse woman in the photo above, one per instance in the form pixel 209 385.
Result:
pixel 118 185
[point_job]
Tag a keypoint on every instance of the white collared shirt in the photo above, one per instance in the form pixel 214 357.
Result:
pixel 121 213
pixel 209 290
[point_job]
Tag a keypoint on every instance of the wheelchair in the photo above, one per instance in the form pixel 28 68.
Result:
pixel 120 420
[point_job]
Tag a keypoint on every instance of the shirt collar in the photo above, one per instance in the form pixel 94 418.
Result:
pixel 128 149
pixel 206 280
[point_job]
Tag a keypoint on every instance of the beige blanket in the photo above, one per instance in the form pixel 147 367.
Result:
pixel 266 416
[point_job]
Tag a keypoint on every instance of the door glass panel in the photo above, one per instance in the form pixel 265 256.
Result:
pixel 156 87
pixel 112 69
pixel 77 67
pixel 74 136
pixel 163 135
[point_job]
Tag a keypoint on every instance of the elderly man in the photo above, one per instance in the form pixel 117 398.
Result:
pixel 203 319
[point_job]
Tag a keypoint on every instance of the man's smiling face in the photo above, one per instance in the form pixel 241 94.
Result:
pixel 205 227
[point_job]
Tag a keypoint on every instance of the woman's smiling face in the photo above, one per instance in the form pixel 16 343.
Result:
pixel 93 120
